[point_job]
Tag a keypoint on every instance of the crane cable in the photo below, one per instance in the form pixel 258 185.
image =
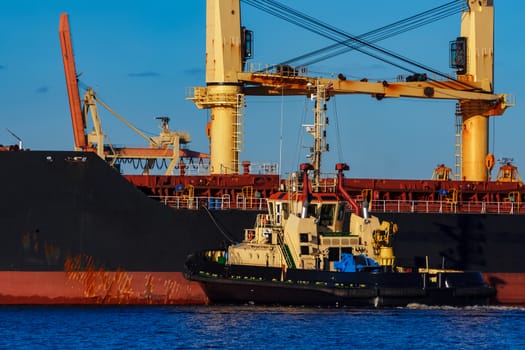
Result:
pixel 396 28
pixel 375 36
pixel 339 36
pixel 335 34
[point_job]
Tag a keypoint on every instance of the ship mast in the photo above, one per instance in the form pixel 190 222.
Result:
pixel 222 94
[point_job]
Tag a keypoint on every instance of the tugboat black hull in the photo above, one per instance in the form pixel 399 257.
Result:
pixel 234 284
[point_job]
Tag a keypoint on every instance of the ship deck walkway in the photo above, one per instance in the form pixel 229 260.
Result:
pixel 376 206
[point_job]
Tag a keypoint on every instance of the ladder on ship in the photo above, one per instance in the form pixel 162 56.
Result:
pixel 286 253
pixel 459 129
pixel 247 192
pixel 238 127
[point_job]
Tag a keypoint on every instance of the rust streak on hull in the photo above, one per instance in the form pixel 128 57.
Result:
pixel 98 287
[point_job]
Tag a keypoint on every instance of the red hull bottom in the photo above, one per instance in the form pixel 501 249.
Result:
pixel 98 287
pixel 155 288
pixel 510 287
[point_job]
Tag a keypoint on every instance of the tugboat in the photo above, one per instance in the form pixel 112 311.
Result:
pixel 300 253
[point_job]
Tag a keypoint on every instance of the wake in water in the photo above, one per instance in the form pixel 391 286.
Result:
pixel 499 308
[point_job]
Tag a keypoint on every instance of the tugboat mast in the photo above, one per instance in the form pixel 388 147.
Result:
pixel 319 132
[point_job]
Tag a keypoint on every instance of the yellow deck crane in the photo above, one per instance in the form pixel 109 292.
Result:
pixel 228 45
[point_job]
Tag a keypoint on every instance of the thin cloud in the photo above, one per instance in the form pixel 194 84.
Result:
pixel 2 67
pixel 143 74
pixel 42 90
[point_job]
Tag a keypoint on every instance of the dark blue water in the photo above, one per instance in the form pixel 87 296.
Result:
pixel 252 327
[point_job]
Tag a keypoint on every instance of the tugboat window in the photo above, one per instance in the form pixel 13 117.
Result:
pixel 278 207
pixel 303 237
pixel 286 211
pixel 341 212
pixel 327 214
pixel 334 254
pixel 312 210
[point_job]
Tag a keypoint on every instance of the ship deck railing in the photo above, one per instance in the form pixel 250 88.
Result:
pixel 213 203
pixel 376 206
pixel 429 206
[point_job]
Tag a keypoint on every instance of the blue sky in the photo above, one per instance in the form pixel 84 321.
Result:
pixel 141 57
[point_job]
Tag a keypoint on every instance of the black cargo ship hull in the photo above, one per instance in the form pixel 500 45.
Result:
pixel 70 214
pixel 56 205
pixel 74 231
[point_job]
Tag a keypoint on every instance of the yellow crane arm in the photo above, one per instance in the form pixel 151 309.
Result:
pixel 266 84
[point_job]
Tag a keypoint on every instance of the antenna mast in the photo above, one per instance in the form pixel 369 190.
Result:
pixel 318 131
pixel 16 137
